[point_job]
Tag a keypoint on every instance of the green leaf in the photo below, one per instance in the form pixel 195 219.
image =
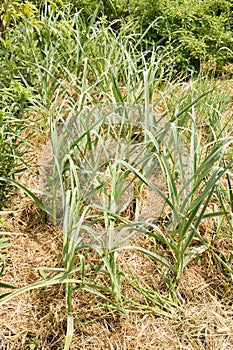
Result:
pixel 187 107
pixel 4 243
pixel 152 255
pixel 4 285
pixel 193 253
pixel 29 193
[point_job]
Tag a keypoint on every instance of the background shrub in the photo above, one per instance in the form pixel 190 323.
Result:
pixel 195 32
pixel 192 34
pixel 16 78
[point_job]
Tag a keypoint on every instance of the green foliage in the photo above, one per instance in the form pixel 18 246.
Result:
pixel 14 12
pixel 112 9
pixel 58 63
pixel 194 32
pixel 13 102
pixel 15 77
pixel 34 343
pixel 4 243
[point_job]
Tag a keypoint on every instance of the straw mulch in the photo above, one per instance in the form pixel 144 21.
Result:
pixel 37 319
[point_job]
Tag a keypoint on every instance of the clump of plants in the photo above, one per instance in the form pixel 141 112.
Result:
pixel 197 33
pixel 192 34
pixel 104 156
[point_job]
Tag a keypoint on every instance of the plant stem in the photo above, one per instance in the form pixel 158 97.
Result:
pixel 70 321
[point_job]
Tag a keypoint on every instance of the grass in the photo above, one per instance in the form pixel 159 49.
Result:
pixel 98 95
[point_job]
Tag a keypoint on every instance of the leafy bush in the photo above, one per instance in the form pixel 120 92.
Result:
pixel 12 13
pixel 192 33
pixel 16 76
pixel 195 32
pixel 12 123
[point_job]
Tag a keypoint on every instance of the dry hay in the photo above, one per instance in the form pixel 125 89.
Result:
pixel 205 322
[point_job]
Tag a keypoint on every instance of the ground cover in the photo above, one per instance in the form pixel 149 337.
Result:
pixel 170 285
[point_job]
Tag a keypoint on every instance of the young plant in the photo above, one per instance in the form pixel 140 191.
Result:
pixel 193 173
